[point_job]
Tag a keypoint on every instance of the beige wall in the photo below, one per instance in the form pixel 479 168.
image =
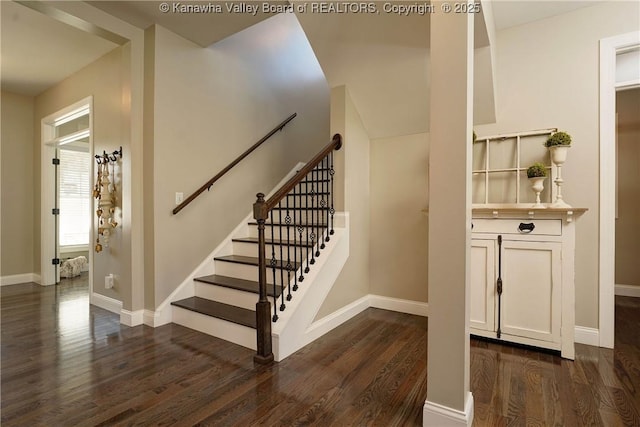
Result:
pixel 209 106
pixel 628 220
pixel 548 77
pixel 105 80
pixel 17 185
pixel 399 225
pixel 352 160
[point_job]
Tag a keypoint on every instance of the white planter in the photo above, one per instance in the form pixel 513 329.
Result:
pixel 559 153
pixel 558 157
pixel 537 185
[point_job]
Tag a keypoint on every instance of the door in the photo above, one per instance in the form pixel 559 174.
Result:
pixel 483 285
pixel 531 290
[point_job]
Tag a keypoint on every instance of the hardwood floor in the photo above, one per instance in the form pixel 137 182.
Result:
pixel 65 364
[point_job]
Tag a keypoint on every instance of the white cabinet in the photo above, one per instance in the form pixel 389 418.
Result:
pixel 522 277
pixel 483 286
pixel 531 297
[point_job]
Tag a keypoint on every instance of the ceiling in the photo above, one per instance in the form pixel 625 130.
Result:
pixel 203 29
pixel 382 58
pixel 38 52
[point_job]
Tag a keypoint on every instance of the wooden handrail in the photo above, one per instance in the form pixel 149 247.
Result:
pixel 335 144
pixel 220 174
pixel 261 209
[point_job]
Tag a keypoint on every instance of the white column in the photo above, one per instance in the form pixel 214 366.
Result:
pixel 449 401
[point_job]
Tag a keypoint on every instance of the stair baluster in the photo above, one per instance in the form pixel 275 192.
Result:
pixel 312 236
pixel 323 202
pixel 316 225
pixel 273 263
pixel 295 248
pixel 319 173
pixel 300 230
pixel 306 210
pixel 332 211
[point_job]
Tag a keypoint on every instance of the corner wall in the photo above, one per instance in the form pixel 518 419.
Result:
pixel 210 105
pixel 352 161
pixel 17 185
pixel 106 80
pixel 398 247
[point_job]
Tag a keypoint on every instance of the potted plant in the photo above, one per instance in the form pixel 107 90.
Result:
pixel 537 173
pixel 558 144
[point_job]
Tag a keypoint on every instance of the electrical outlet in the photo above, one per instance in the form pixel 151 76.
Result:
pixel 179 198
pixel 108 281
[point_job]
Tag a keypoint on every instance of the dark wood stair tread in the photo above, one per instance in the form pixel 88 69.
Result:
pixel 227 312
pixel 239 284
pixel 308 194
pixel 249 260
pixel 274 242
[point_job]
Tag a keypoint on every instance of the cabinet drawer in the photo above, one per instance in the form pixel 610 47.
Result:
pixel 549 227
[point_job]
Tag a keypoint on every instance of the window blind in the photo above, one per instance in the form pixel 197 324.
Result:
pixel 75 197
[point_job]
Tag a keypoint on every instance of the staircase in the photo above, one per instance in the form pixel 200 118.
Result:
pixel 298 235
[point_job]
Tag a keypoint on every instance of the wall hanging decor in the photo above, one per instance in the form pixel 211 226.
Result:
pixel 105 192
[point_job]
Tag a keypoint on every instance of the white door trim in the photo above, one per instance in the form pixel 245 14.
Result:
pixel 47 182
pixel 608 48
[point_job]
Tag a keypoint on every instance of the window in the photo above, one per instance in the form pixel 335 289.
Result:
pixel 75 199
pixel 500 165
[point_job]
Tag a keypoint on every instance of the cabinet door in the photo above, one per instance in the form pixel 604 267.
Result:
pixel 483 285
pixel 531 290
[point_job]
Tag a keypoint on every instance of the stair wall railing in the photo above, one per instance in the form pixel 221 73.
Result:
pixel 207 185
pixel 300 213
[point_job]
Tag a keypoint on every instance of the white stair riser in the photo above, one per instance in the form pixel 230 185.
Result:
pixel 226 295
pixel 251 249
pixel 247 272
pixel 228 331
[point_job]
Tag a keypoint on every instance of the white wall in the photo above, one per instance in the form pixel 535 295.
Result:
pixel 210 105
pixel 17 185
pixel 399 224
pixel 548 77
pixel 106 80
pixel 352 164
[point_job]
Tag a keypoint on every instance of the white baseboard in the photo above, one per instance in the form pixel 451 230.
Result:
pixel 434 414
pixel 131 318
pixel 628 291
pixel 337 318
pixel 588 336
pixel 399 305
pixel 106 303
pixel 153 318
pixel 17 279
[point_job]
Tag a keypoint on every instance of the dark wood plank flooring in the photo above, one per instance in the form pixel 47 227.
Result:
pixel 65 363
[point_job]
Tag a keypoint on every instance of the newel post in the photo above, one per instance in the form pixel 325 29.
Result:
pixel 263 308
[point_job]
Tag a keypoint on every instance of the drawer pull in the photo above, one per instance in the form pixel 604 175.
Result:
pixel 526 228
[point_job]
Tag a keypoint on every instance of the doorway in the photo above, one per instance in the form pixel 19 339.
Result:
pixel 627 271
pixel 67 149
pixel 609 50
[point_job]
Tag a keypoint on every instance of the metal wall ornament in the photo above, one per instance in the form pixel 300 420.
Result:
pixel 105 192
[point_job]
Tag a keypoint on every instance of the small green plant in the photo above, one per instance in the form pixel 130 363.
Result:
pixel 536 170
pixel 558 138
